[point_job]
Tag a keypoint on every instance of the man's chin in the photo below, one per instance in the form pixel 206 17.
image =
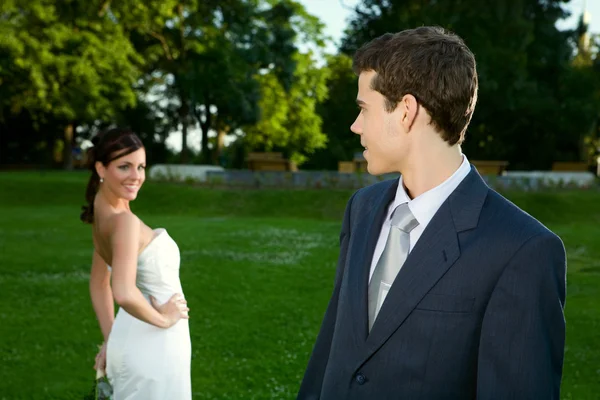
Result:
pixel 376 170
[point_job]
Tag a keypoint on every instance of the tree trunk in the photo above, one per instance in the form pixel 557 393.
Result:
pixel 205 128
pixel 68 146
pixel 184 111
pixel 205 150
pixel 184 117
pixel 184 147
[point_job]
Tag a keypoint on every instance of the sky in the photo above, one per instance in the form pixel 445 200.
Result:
pixel 334 14
pixel 575 7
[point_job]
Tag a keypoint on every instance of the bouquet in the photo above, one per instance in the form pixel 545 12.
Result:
pixel 103 390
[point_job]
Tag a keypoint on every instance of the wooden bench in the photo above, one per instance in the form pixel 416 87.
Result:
pixel 570 166
pixel 269 161
pixel 360 164
pixel 346 167
pixel 484 167
pixel 357 164
pixel 489 167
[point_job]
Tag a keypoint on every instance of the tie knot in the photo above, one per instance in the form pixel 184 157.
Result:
pixel 403 218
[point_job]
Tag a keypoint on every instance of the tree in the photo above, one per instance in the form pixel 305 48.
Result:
pixel 289 121
pixel 208 55
pixel 338 112
pixel 159 31
pixel 85 66
pixel 585 80
pixel 522 75
pixel 65 62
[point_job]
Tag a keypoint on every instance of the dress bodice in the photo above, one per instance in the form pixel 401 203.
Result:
pixel 158 267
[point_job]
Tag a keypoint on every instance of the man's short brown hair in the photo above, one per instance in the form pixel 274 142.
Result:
pixel 433 65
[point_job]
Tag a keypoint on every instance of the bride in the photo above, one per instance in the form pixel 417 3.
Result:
pixel 146 351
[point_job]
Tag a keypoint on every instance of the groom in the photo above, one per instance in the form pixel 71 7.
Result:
pixel 444 289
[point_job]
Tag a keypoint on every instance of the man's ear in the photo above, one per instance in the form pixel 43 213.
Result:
pixel 408 108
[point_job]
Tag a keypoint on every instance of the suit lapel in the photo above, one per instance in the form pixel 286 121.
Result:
pixel 435 252
pixel 362 248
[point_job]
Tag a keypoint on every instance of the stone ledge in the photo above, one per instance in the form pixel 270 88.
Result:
pixel 182 172
pixel 218 176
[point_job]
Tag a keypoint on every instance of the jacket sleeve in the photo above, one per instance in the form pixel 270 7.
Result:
pixel 310 389
pixel 522 339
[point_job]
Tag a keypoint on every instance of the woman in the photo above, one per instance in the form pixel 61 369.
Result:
pixel 146 351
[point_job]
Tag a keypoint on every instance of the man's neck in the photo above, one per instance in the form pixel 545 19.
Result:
pixel 430 169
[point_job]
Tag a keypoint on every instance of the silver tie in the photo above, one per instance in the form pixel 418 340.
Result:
pixel 394 254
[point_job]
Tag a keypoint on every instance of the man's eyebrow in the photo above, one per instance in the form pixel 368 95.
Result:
pixel 360 102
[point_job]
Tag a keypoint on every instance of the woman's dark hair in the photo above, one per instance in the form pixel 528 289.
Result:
pixel 108 146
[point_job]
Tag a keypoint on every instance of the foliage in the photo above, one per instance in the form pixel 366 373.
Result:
pixel 289 120
pixel 251 70
pixel 532 108
pixel 337 111
pixel 65 61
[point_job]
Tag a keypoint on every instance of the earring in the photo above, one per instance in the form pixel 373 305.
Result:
pixel 101 180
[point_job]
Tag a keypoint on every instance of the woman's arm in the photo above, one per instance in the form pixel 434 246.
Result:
pixel 101 294
pixel 125 240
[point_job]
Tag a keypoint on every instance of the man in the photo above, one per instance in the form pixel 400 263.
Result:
pixel 444 289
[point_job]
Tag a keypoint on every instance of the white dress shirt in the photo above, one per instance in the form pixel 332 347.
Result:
pixel 423 208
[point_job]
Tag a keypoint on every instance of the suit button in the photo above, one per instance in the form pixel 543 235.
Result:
pixel 360 379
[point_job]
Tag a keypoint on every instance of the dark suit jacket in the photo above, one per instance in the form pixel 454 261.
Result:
pixel 476 312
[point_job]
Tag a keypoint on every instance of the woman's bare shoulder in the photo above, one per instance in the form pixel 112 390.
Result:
pixel 122 222
pixel 116 223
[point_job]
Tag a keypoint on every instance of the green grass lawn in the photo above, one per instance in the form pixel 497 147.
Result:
pixel 257 270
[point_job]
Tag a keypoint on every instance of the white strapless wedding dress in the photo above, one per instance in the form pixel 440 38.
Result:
pixel 144 362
